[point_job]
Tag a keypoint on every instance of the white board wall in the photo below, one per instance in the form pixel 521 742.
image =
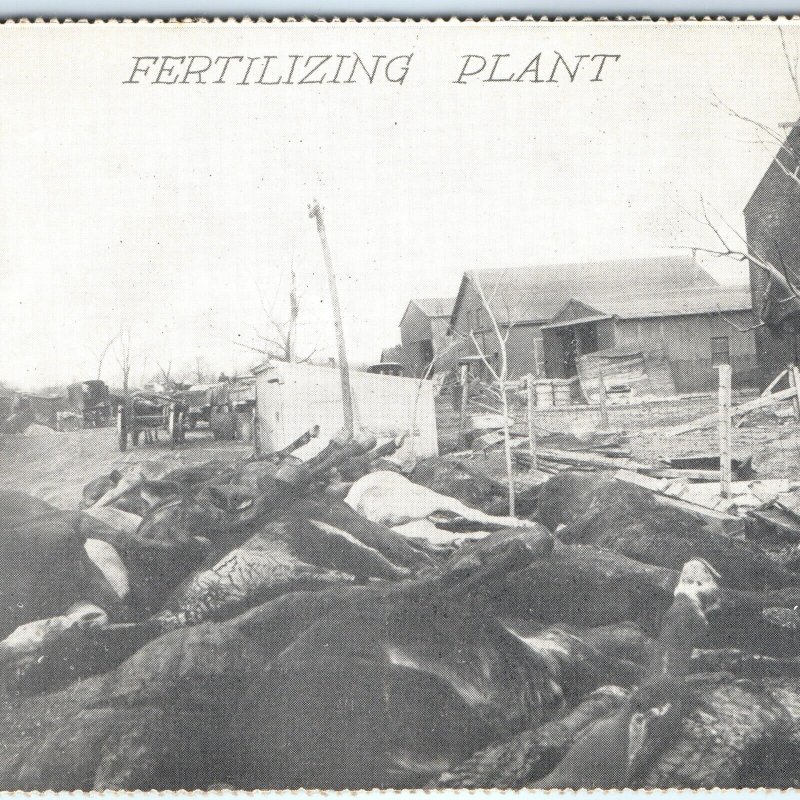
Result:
pixel 291 398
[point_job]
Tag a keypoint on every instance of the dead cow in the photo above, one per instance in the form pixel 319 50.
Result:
pixel 389 498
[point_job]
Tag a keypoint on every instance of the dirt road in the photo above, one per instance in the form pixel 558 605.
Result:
pixel 56 466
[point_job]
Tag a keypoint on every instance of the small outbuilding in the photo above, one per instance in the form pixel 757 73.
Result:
pixel 423 333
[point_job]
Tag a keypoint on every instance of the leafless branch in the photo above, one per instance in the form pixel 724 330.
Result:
pixel 166 373
pixel 502 385
pixel 486 406
pixel 101 356
pixel 730 322
pixel 254 349
pixel 791 64
pixel 483 358
pixel 124 356
pixel 747 254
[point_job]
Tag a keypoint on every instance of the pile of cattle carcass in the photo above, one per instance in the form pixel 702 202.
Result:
pixel 335 624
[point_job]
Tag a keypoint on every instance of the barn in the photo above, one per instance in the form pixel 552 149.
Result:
pixel 527 298
pixel 685 332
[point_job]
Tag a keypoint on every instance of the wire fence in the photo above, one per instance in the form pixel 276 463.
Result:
pixel 769 438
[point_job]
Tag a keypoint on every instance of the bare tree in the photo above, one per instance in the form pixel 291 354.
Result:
pixel 165 373
pixel 277 337
pixel 501 381
pixel 100 355
pixel 124 355
pixel 499 386
pixel 202 373
pixel 731 244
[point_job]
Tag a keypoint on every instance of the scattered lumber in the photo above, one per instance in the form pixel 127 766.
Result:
pixel 589 459
pixel 707 475
pixel 710 420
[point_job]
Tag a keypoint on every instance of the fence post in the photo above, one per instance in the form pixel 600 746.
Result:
pixel 531 429
pixel 462 414
pixel 601 381
pixel 725 429
pixel 794 382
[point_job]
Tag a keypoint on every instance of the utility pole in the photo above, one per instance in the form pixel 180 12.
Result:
pixel 294 310
pixel 315 212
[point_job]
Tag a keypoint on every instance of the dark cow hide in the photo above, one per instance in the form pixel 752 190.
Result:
pixel 607 513
pixel 44 568
pixel 400 666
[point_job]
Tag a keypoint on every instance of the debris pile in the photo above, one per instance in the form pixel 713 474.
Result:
pixel 334 623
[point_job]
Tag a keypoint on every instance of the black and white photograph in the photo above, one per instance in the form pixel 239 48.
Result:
pixel 399 404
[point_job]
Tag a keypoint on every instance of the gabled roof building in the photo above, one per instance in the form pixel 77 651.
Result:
pixel 423 333
pixel 528 298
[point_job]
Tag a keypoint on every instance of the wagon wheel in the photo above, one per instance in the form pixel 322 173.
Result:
pixel 122 429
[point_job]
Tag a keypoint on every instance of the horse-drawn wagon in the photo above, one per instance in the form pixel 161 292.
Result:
pixel 91 402
pixel 147 413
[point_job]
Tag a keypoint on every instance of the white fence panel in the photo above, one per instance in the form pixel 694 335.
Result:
pixel 294 397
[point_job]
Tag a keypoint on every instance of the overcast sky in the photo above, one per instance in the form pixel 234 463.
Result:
pixel 170 209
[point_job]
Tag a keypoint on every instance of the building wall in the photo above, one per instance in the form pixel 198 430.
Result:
pixel 524 347
pixel 442 344
pixel 775 348
pixel 415 326
pixel 686 342
pixel 772 223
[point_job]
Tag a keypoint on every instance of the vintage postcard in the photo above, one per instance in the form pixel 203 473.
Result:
pixel 399 404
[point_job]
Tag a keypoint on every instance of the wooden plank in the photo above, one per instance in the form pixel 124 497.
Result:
pixel 794 381
pixel 462 416
pixel 709 420
pixel 707 475
pixel 773 383
pixel 601 395
pixel 590 459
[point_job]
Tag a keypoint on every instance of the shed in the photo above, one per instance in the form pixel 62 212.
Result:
pixel 292 398
pixel 423 333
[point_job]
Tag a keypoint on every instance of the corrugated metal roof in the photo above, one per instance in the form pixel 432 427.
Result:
pixel 435 306
pixel 535 294
pixel 674 303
